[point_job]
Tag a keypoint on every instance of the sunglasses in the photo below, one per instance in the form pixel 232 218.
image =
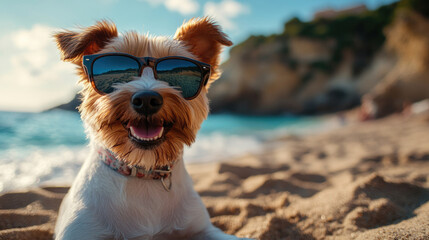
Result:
pixel 109 69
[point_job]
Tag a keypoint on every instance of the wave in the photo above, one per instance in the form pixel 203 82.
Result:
pixel 35 167
pixel 218 146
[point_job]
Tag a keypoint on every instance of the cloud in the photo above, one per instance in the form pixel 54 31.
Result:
pixel 224 12
pixel 32 76
pixel 184 7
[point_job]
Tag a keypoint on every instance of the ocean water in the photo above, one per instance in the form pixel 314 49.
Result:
pixel 50 147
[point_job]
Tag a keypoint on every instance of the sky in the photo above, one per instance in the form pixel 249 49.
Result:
pixel 33 78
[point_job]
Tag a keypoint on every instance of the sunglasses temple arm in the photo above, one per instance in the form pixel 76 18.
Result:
pixel 86 72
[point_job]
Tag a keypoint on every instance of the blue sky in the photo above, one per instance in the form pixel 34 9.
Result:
pixel 33 78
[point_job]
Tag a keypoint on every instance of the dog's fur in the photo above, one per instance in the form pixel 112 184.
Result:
pixel 103 204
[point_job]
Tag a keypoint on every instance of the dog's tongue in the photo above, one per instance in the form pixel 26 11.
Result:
pixel 146 131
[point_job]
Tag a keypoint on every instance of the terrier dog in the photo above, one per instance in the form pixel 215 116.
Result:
pixel 143 99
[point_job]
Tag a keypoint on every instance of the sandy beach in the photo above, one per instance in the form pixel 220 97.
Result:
pixel 365 180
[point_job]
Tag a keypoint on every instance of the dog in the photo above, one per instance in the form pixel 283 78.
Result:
pixel 143 99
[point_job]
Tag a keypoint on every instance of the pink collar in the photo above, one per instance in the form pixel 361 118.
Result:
pixel 119 166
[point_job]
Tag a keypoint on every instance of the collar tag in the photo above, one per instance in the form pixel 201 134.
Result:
pixel 133 172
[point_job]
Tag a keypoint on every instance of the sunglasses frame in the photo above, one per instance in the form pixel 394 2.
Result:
pixel 88 62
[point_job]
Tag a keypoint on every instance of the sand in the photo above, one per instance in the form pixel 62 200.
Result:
pixel 363 181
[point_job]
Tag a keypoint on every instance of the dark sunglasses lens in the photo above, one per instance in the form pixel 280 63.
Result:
pixel 180 73
pixel 109 71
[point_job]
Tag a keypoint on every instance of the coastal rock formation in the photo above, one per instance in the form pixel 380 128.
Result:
pixel 262 81
pixel 327 65
pixel 70 106
pixel 408 80
pixel 315 67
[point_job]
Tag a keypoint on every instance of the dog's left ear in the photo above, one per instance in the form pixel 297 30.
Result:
pixel 73 45
pixel 205 40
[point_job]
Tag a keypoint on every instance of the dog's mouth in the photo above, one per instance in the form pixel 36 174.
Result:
pixel 147 134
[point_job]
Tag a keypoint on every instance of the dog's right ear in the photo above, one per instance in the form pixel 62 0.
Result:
pixel 73 45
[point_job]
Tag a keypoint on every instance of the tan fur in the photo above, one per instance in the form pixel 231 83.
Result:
pixel 74 45
pixel 205 40
pixel 104 115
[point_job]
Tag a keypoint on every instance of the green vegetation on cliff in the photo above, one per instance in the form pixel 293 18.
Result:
pixel 362 34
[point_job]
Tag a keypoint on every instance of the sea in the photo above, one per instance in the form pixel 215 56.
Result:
pixel 49 148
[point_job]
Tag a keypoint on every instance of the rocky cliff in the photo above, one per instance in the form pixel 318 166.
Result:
pixel 408 80
pixel 312 67
pixel 327 65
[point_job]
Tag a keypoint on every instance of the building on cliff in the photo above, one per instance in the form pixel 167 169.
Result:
pixel 332 13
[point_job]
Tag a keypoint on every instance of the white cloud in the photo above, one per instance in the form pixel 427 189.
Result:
pixel 184 7
pixel 32 76
pixel 224 12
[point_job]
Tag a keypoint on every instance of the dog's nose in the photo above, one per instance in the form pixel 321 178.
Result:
pixel 147 102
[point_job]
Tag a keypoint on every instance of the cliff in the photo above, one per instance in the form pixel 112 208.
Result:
pixel 328 64
pixel 70 106
pixel 321 66
pixel 408 80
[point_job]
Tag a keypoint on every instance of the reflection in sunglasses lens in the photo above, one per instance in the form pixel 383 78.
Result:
pixel 110 70
pixel 180 73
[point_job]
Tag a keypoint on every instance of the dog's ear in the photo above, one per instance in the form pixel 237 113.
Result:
pixel 73 45
pixel 205 40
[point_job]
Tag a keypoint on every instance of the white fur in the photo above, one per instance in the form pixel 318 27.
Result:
pixel 146 81
pixel 103 204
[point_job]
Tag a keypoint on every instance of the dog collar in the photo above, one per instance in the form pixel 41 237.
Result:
pixel 119 166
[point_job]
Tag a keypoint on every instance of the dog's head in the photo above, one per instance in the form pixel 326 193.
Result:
pixel 145 121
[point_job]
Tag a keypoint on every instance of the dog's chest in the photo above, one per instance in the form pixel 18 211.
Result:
pixel 144 208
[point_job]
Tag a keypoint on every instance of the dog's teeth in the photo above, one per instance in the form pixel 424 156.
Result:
pixel 160 133
pixel 133 133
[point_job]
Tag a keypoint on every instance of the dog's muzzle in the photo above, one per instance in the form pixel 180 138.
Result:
pixel 147 102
